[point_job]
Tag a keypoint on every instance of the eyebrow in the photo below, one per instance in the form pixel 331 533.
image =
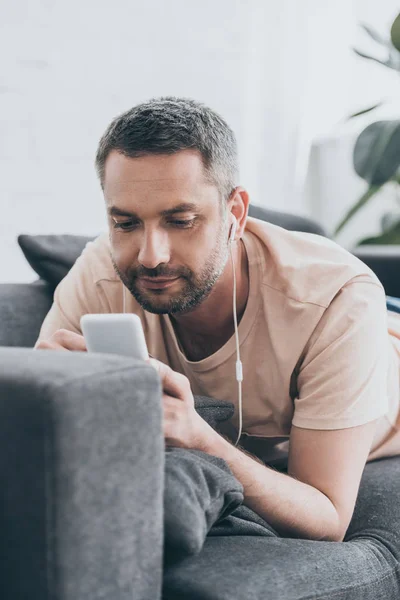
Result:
pixel 183 207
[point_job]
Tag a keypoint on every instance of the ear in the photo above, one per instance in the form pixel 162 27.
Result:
pixel 238 207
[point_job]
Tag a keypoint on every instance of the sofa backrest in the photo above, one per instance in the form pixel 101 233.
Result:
pixel 286 220
pixel 23 307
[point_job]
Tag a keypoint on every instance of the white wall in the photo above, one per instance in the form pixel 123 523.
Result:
pixel 67 68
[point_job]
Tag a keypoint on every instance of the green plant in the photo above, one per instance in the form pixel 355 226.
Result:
pixel 376 154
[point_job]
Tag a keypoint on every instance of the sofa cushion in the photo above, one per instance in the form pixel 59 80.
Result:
pixel 363 567
pixel 52 256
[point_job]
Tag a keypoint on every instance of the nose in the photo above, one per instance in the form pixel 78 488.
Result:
pixel 154 248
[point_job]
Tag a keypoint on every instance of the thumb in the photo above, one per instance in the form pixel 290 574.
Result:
pixel 163 370
pixel 173 383
pixel 160 367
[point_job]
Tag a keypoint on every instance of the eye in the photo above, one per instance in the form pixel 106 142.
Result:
pixel 121 225
pixel 184 224
pixel 126 225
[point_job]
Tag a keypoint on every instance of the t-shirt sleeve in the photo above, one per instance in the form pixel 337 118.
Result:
pixel 77 294
pixel 342 380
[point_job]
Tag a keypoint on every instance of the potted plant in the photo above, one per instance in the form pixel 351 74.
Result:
pixel 376 154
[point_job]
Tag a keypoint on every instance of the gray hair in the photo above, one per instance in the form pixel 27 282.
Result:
pixel 167 125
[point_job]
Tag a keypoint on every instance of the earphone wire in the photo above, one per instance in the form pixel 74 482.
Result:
pixel 239 372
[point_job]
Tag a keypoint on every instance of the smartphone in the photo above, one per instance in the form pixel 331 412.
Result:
pixel 115 333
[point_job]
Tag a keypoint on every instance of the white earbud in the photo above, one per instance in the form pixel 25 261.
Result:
pixel 233 231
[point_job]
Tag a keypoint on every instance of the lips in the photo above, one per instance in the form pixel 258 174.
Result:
pixel 158 280
pixel 159 283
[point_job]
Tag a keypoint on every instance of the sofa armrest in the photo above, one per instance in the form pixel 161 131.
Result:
pixel 82 466
pixel 384 260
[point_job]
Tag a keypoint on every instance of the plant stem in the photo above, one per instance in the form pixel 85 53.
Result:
pixel 363 200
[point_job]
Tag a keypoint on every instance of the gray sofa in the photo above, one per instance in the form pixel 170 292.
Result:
pixel 82 471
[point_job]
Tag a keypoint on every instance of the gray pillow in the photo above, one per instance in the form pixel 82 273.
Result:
pixel 213 411
pixel 199 490
pixel 202 496
pixel 52 256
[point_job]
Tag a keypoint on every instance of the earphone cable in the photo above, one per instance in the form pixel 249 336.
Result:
pixel 239 371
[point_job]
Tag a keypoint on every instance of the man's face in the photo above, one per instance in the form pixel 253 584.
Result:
pixel 191 244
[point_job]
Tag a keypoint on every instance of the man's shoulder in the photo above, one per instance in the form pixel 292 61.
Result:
pixel 96 261
pixel 306 267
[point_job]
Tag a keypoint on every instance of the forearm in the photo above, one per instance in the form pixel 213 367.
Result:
pixel 293 508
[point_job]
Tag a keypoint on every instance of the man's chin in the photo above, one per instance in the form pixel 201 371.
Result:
pixel 166 302
pixel 155 310
pixel 154 302
pixel 164 307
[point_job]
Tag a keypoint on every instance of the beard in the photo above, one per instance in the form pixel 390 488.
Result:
pixel 196 286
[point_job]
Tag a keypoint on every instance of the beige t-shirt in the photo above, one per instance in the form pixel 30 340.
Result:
pixel 318 346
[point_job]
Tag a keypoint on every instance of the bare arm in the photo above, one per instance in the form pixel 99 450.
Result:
pixel 316 499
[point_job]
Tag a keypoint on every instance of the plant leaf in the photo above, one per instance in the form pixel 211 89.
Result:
pixel 368 56
pixel 389 220
pixel 393 62
pixel 391 236
pixel 376 155
pixel 395 33
pixel 371 191
pixel 375 35
pixel 389 62
pixel 365 110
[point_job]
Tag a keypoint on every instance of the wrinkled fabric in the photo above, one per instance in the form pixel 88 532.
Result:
pixel 201 495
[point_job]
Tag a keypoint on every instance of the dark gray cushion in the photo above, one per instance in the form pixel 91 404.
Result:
pixel 213 411
pixel 52 256
pixel 199 490
pixel 286 220
pixel 385 262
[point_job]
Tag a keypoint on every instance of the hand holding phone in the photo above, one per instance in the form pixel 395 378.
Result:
pixel 116 333
pixel 62 339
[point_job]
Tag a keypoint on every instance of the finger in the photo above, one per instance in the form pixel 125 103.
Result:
pixel 70 340
pixel 171 404
pixel 173 383
pixel 171 408
pixel 46 345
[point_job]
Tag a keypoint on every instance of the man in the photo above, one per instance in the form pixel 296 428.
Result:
pixel 320 367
